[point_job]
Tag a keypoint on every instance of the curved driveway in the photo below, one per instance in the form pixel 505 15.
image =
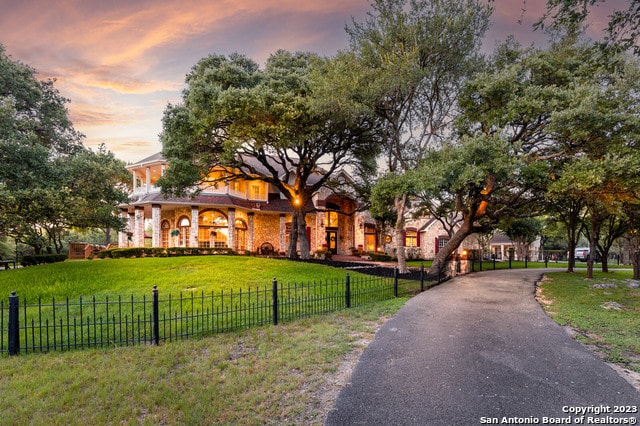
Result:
pixel 479 349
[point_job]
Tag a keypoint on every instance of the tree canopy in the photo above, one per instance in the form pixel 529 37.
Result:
pixel 283 125
pixel 409 60
pixel 544 110
pixel 49 181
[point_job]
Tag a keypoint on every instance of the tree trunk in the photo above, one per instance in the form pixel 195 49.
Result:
pixel 605 259
pixel 293 238
pixel 571 243
pixel 400 203
pixel 634 255
pixel 302 233
pixel 593 234
pixel 440 261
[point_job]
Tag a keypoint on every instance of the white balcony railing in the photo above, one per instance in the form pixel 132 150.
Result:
pixel 146 189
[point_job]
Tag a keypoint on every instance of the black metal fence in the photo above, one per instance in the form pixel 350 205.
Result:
pixel 40 326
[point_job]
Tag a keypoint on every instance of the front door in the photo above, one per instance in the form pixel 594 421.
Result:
pixel 332 241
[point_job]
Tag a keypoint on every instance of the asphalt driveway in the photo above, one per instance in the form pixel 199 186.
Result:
pixel 479 349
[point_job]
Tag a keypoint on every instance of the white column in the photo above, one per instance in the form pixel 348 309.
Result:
pixel 231 224
pixel 193 238
pixel 148 180
pixel 155 225
pixel 135 181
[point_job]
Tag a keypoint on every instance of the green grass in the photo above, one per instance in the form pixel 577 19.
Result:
pixel 280 374
pixel 172 275
pixel 265 375
pixel 580 303
pixel 198 295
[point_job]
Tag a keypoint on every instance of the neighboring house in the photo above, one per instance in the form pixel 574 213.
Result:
pixel 501 244
pixel 423 239
pixel 240 214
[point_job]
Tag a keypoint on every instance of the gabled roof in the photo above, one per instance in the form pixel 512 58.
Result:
pixel 155 158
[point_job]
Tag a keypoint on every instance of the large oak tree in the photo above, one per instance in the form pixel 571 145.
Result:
pixel 409 60
pixel 283 125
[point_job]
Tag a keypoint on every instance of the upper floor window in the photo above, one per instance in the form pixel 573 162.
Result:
pixel 256 190
pixel 236 185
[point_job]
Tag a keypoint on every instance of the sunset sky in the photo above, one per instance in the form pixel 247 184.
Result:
pixel 121 61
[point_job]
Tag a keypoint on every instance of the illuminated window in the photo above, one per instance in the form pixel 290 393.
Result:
pixel 212 229
pixel 411 238
pixel 332 219
pixel 164 233
pixel 256 190
pixel 184 225
pixel 370 237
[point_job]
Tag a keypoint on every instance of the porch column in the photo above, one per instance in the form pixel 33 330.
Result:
pixel 320 232
pixel 148 180
pixel 231 224
pixel 283 233
pixel 138 231
pixel 251 223
pixel 135 181
pixel 131 227
pixel 193 238
pixel 122 235
pixel 155 225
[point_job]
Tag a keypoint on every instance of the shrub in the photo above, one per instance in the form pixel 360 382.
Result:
pixel 161 252
pixel 40 259
pixel 323 254
pixel 378 257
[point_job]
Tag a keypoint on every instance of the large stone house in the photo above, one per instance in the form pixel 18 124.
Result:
pixel 244 215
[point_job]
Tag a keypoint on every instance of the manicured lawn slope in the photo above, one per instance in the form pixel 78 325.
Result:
pixel 172 275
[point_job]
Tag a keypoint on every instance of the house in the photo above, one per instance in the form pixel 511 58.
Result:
pixel 424 237
pixel 245 215
pixel 501 245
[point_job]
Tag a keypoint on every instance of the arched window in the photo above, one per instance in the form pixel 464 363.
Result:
pixel 240 235
pixel 331 218
pixel 165 227
pixel 184 226
pixel 212 229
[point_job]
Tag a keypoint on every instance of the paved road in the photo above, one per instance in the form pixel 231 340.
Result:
pixel 475 350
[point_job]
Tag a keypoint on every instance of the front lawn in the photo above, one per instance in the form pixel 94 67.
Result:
pixel 603 311
pixel 172 275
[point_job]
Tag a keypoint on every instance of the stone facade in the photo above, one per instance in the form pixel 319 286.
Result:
pixel 242 216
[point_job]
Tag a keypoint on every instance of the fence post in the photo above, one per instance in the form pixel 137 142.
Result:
pixel 395 281
pixel 347 291
pixel 14 324
pixel 422 276
pixel 275 301
pixel 156 316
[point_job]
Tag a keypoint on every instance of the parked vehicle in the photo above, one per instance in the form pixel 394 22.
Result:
pixel 582 254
